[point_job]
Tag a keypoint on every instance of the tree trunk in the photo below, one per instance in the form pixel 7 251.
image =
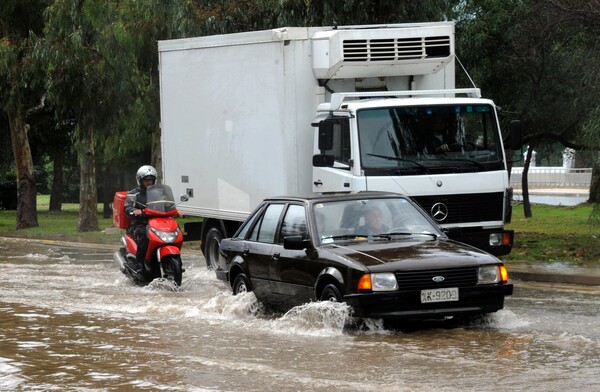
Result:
pixel 26 192
pixel 595 183
pixel 108 191
pixel 57 182
pixel 525 185
pixel 88 192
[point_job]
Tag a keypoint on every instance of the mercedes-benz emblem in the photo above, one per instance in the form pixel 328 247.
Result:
pixel 439 212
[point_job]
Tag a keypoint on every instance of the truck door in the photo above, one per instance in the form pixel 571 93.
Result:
pixel 333 167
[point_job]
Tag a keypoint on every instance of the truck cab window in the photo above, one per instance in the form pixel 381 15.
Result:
pixel 341 142
pixel 435 138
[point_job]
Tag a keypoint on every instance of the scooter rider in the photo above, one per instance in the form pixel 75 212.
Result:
pixel 134 207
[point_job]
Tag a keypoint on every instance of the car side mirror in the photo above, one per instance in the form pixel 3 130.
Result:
pixel 296 242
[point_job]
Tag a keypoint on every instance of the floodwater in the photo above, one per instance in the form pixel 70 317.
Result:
pixel 70 321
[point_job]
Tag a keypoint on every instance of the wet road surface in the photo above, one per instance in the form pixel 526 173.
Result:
pixel 69 320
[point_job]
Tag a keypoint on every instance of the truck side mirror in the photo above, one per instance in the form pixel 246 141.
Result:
pixel 515 134
pixel 326 134
pixel 322 160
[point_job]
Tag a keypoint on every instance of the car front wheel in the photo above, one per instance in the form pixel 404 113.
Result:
pixel 331 293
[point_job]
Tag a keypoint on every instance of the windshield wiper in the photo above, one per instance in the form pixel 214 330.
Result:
pixel 435 236
pixel 339 237
pixel 475 163
pixel 398 159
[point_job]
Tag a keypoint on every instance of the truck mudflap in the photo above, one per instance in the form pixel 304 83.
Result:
pixel 498 242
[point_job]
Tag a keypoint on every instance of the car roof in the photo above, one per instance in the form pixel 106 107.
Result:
pixel 326 197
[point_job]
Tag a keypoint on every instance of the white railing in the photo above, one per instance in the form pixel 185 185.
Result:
pixel 555 177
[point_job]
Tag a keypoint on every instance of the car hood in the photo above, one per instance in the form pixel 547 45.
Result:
pixel 410 254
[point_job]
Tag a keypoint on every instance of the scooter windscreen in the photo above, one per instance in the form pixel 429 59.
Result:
pixel 160 198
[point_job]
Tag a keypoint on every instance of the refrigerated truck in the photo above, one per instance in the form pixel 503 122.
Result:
pixel 330 109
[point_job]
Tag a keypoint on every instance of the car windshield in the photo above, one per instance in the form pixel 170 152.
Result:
pixel 429 139
pixel 370 218
pixel 160 198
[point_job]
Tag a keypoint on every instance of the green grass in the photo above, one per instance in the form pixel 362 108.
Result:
pixel 63 225
pixel 553 234
pixel 57 225
pixel 563 234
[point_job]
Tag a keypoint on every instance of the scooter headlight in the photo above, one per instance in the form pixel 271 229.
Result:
pixel 166 236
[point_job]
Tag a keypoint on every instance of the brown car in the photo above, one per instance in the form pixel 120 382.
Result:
pixel 378 252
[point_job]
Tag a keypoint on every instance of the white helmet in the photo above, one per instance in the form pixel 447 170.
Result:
pixel 145 171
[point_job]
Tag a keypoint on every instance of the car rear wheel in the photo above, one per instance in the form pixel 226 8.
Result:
pixel 241 284
pixel 331 293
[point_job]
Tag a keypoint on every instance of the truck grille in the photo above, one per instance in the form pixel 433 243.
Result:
pixel 479 207
pixel 390 49
pixel 419 280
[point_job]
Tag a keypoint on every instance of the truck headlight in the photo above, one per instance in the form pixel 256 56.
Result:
pixel 495 239
pixel 383 281
pixel 488 274
pixel 166 236
pixel 499 239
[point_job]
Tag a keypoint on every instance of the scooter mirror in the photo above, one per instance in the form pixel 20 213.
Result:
pixel 184 198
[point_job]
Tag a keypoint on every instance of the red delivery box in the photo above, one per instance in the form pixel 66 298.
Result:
pixel 120 220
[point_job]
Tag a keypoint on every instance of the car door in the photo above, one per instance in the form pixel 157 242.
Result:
pixel 258 250
pixel 289 281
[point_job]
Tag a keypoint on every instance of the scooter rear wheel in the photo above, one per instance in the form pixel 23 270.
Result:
pixel 172 269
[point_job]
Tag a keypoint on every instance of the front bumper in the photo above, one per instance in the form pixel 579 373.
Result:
pixel 407 304
pixel 481 240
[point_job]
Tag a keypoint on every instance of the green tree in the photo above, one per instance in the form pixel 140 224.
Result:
pixel 534 64
pixel 82 84
pixel 20 94
pixel 584 15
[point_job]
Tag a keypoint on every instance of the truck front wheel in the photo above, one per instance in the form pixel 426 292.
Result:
pixel 211 247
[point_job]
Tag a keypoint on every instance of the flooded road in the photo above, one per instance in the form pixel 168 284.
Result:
pixel 69 320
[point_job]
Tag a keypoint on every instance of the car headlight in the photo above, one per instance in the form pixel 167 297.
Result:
pixel 492 274
pixel 385 281
pixel 166 236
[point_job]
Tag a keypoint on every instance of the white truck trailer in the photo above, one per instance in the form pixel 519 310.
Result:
pixel 330 109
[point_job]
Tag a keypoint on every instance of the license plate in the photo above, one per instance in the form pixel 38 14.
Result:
pixel 439 295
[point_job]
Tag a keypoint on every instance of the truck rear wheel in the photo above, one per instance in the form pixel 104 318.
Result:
pixel 211 247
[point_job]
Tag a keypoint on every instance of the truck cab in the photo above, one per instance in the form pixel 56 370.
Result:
pixel 445 153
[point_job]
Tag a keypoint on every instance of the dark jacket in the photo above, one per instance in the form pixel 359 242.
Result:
pixel 136 199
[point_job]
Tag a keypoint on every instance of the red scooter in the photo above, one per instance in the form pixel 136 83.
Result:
pixel 165 239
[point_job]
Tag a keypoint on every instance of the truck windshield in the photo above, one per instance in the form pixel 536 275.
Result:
pixel 429 139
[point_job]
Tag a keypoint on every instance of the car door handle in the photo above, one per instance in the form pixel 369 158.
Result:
pixel 276 256
pixel 318 183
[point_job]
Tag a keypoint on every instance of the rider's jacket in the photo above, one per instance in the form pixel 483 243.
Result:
pixel 136 199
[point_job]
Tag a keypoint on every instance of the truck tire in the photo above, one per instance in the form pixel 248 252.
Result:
pixel 213 238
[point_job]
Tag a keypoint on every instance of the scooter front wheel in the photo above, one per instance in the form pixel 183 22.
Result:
pixel 172 269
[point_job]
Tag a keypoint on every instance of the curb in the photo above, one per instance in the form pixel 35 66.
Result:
pixel 578 276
